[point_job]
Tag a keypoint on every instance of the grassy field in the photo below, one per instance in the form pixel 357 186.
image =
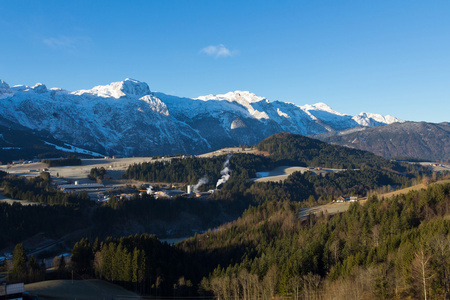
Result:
pixel 333 208
pixel 417 187
pixel 330 209
pixel 283 172
pixel 79 289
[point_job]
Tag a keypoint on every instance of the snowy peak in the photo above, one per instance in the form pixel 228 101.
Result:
pixel 40 88
pixel 242 97
pixel 128 88
pixel 320 107
pixel 248 100
pixel 373 120
pixel 131 87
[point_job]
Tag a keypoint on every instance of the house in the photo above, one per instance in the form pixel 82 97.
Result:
pixel 341 199
pixel 353 198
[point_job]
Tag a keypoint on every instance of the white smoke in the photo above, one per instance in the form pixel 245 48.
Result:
pixel 202 181
pixel 149 190
pixel 225 172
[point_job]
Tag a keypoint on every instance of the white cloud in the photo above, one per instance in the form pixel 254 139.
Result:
pixel 67 43
pixel 218 51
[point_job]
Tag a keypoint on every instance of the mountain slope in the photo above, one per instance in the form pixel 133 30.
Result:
pixel 126 118
pixel 121 118
pixel 22 143
pixel 410 139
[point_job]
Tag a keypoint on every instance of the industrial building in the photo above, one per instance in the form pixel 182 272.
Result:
pixel 77 186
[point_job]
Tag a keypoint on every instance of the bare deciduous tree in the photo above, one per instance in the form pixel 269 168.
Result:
pixel 422 271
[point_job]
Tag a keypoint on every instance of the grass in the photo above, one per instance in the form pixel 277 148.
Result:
pixel 79 289
pixel 417 187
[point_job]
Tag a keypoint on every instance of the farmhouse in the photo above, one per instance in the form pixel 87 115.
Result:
pixel 341 200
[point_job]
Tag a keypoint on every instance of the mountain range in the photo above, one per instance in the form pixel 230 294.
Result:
pixel 126 118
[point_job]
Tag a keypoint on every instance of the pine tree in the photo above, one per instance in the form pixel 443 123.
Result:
pixel 19 271
pixel 82 257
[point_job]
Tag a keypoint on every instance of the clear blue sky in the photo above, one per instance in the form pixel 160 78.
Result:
pixel 387 57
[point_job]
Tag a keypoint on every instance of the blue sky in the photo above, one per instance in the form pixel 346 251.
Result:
pixel 386 57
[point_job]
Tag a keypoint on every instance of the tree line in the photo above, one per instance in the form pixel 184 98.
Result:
pixel 71 160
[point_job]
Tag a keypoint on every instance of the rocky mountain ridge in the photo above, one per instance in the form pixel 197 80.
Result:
pixel 126 118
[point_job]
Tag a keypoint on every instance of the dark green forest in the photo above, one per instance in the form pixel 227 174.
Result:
pixel 71 160
pixel 38 189
pixel 288 148
pixel 190 170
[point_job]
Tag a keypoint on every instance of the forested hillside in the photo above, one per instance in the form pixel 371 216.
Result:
pixel 180 216
pixel 419 140
pixel 363 171
pixel 387 248
pixel 293 148
pixel 376 250
pixel 372 251
pixel 190 170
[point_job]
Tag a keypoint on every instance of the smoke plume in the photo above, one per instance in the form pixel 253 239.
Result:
pixel 225 172
pixel 202 181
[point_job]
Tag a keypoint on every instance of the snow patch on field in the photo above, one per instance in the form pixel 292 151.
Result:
pixel 70 148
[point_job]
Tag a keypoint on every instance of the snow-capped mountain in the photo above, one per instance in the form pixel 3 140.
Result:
pixel 126 118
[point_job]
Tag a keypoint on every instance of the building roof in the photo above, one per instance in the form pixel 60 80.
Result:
pixel 81 186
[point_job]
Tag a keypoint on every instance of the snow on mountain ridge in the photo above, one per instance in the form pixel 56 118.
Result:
pixel 245 98
pixel 237 96
pixel 143 123
pixel 127 88
pixel 321 107
pixel 372 120
pixel 40 88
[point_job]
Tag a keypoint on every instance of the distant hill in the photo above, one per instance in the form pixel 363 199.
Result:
pixel 292 148
pixel 421 140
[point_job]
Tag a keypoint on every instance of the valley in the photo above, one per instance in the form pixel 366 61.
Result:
pixel 224 150
pixel 195 202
